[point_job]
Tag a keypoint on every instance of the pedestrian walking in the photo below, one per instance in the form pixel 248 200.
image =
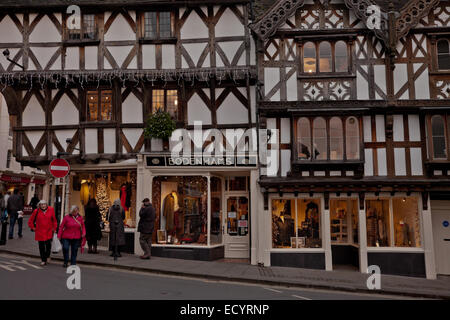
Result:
pixel 43 222
pixel 116 215
pixel 72 233
pixel 2 207
pixel 146 227
pixel 34 202
pixel 92 220
pixel 14 207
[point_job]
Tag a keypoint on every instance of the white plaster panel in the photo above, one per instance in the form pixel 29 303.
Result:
pixel 380 78
pixel 285 162
pixel 252 52
pixel 62 136
pixel 5 63
pixel 9 32
pixel 421 84
pixel 291 87
pixel 195 50
pixel 362 86
pixel 367 129
pixel 132 136
pixel 382 163
pixel 232 111
pixel 34 137
pixel 368 162
pixel 400 78
pixel 72 58
pixel 198 111
pixel 120 30
pixel 91 61
pixel 230 49
pixel 399 133
pixel 379 120
pixel 45 31
pixel 253 103
pixel 271 78
pixel 271 123
pixel 416 161
pixel 109 140
pixel 285 130
pixel 319 173
pixel 132 110
pixel 272 166
pixel 65 112
pixel 400 161
pixel 33 114
pixel 229 25
pixel 91 140
pixel 148 56
pixel 120 53
pixel 194 28
pixel 168 56
pixel 43 55
pixel 24 152
pixel 414 127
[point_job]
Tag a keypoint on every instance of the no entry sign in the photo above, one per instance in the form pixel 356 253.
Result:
pixel 59 168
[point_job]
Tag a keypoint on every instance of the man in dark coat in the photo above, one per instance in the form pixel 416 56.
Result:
pixel 34 202
pixel 14 205
pixel 146 227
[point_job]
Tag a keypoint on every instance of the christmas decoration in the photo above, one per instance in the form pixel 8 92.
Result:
pixel 159 125
pixel 102 197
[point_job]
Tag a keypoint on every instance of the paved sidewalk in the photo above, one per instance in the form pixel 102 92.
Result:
pixel 293 277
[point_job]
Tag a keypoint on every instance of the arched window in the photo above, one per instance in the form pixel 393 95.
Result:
pixel 325 63
pixel 304 139
pixel 336 139
pixel 340 52
pixel 352 138
pixel 443 54
pixel 309 57
pixel 319 139
pixel 438 137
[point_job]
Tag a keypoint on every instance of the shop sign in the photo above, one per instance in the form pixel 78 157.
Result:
pixel 242 223
pixel 14 179
pixel 169 161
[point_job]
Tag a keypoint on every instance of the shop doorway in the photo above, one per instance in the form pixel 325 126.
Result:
pixel 440 212
pixel 236 226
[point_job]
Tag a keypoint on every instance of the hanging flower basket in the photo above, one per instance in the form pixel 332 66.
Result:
pixel 160 125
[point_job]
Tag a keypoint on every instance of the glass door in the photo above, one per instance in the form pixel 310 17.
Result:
pixel 236 228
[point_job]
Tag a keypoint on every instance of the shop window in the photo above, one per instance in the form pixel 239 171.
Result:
pixel 438 136
pixel 216 210
pixel 404 231
pixel 296 223
pixel 181 209
pixel 236 184
pixel 165 100
pixel 332 57
pixel 157 25
pixel 443 51
pixel 88 30
pixel 99 105
pixel 328 131
pixel 344 221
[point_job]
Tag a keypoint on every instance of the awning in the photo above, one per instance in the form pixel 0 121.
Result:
pixel 14 179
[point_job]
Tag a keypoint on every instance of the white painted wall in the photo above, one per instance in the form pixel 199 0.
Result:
pixel 198 111
pixel 120 30
pixel 33 114
pixel 65 112
pixel 132 110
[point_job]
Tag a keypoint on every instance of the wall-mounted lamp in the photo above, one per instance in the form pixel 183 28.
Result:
pixel 6 53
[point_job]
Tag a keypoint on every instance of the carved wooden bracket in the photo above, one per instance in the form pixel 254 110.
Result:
pixel 326 197
pixel 361 200
pixel 425 200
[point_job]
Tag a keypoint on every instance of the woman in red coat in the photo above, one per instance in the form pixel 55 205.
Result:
pixel 72 234
pixel 43 222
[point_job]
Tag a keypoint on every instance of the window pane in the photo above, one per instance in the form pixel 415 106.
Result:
pixel 164 25
pixel 92 112
pixel 106 106
pixel 343 220
pixel 341 57
pixel 352 138
pixel 443 55
pixel 216 210
pixel 150 25
pixel 283 224
pixel 438 135
pixel 336 139
pixel 325 57
pixel 378 223
pixel 157 100
pixel 320 139
pixel 308 223
pixel 74 34
pixel 172 103
pixel 89 26
pixel 406 222
pixel 304 139
pixel 309 57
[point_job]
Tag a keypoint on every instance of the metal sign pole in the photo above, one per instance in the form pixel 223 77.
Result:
pixel 63 199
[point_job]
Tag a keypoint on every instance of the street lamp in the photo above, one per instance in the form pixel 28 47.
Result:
pixel 6 53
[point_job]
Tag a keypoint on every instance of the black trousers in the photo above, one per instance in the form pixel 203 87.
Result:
pixel 45 248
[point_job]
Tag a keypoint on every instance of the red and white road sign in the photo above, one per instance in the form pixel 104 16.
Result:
pixel 59 168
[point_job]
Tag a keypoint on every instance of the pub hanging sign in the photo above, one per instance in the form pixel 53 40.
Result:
pixel 202 161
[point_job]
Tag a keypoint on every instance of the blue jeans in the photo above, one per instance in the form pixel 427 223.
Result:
pixel 12 222
pixel 73 244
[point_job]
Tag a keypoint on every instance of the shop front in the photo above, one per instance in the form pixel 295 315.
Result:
pixel 333 231
pixel 202 212
pixel 28 186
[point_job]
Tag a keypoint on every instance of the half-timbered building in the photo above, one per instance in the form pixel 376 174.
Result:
pixel 83 92
pixel 358 163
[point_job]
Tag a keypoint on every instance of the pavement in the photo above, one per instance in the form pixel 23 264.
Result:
pixel 340 280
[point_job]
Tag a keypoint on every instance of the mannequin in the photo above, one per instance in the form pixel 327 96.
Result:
pixel 170 205
pixel 371 227
pixel 402 233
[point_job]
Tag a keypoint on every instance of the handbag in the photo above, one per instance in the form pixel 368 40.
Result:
pixel 56 244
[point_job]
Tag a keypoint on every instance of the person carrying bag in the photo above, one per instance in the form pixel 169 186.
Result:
pixel 72 234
